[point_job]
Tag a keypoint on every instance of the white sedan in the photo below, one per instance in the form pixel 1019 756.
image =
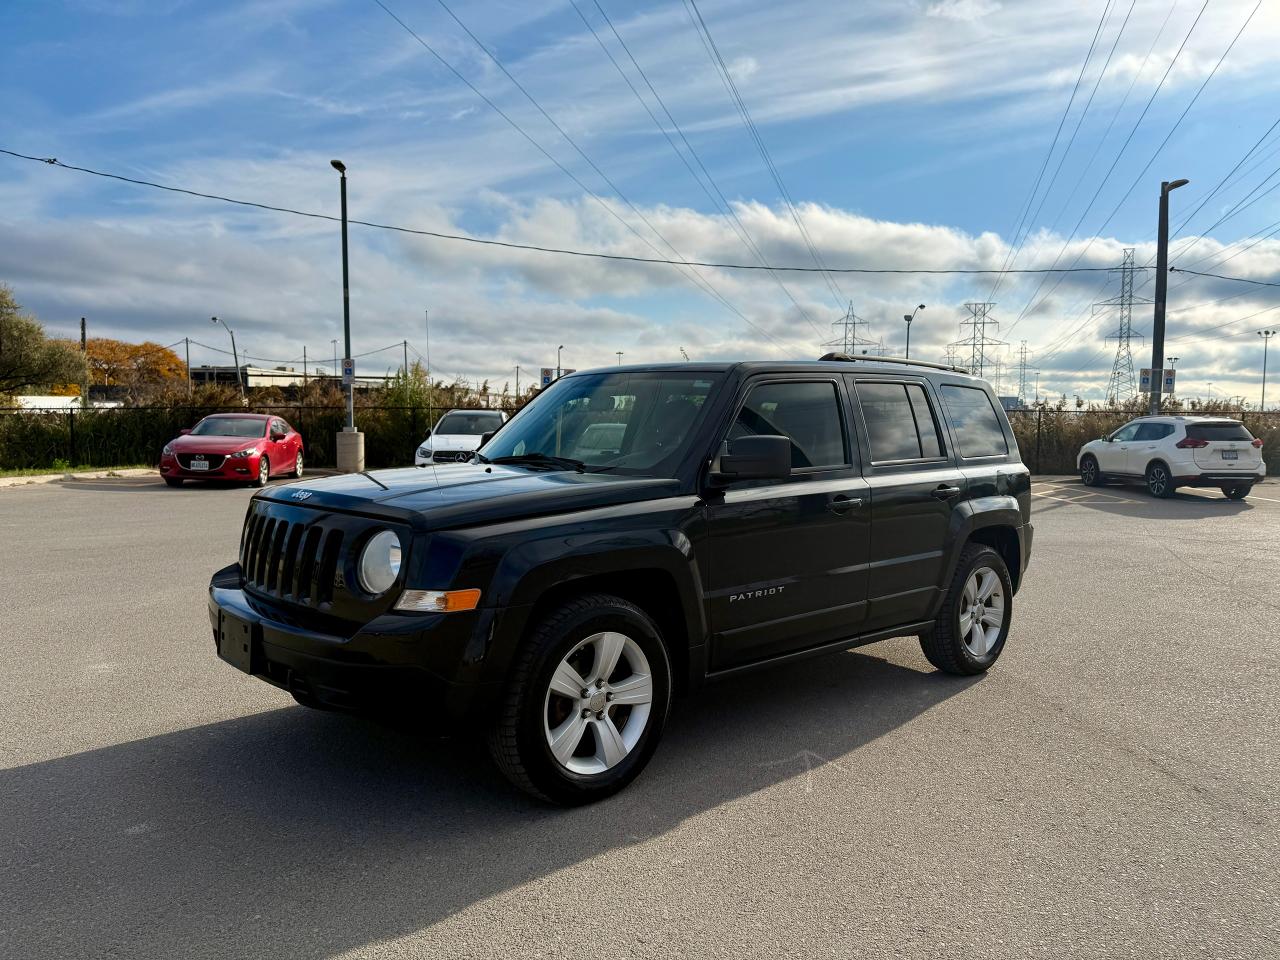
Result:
pixel 457 435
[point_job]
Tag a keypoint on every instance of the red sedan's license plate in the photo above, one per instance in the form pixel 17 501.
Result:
pixel 199 464
pixel 1230 454
pixel 235 641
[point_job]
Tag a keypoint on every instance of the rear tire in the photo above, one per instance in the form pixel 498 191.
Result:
pixel 1159 481
pixel 264 472
pixel 964 641
pixel 1090 475
pixel 173 481
pixel 553 742
pixel 1238 491
pixel 297 467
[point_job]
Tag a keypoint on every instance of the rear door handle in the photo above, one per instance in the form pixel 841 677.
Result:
pixel 842 504
pixel 945 493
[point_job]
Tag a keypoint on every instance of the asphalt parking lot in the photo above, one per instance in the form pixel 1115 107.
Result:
pixel 1108 789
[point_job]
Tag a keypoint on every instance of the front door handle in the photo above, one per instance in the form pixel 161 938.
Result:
pixel 944 492
pixel 842 504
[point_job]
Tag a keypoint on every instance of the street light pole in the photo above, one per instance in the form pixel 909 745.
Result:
pixel 350 442
pixel 1162 284
pixel 346 292
pixel 235 357
pixel 558 349
pixel 619 353
pixel 1266 336
pixel 909 317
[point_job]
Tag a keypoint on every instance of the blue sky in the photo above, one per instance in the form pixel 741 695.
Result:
pixel 909 134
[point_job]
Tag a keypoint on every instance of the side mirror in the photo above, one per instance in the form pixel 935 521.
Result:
pixel 486 437
pixel 184 431
pixel 278 436
pixel 755 458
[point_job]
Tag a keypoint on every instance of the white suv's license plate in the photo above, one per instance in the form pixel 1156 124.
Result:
pixel 204 464
pixel 1230 454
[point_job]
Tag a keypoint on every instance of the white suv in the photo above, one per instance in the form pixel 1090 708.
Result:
pixel 458 434
pixel 1171 452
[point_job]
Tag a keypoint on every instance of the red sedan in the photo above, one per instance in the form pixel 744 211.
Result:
pixel 251 447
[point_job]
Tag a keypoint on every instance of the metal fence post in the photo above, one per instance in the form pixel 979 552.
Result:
pixel 1039 418
pixel 71 436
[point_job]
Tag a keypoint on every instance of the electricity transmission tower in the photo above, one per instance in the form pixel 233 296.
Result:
pixel 978 347
pixel 1024 372
pixel 848 340
pixel 1123 384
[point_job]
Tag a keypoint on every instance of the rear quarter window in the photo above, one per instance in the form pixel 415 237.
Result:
pixel 974 421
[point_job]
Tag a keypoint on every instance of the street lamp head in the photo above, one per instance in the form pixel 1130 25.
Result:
pixel 1175 184
pixel 921 307
pixel 908 317
pixel 339 166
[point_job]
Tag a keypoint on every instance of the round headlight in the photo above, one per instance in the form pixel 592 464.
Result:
pixel 380 562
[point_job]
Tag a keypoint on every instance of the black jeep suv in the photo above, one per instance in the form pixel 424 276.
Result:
pixel 632 533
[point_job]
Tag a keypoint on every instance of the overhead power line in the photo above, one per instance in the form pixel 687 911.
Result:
pixel 538 248
pixel 1219 276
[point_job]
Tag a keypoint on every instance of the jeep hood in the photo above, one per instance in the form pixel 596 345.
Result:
pixel 466 494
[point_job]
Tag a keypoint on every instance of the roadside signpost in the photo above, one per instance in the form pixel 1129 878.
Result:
pixel 348 372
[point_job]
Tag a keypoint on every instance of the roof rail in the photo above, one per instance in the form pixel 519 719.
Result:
pixel 903 360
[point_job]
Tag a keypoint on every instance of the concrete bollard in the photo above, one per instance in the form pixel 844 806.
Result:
pixel 350 451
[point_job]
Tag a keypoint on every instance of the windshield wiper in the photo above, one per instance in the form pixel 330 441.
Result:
pixel 542 460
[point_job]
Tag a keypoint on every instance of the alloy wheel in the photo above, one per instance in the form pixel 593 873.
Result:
pixel 981 611
pixel 598 703
pixel 1089 471
pixel 264 472
pixel 297 466
pixel 1157 480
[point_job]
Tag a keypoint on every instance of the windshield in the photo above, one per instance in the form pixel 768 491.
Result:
pixel 230 427
pixel 628 422
pixel 471 424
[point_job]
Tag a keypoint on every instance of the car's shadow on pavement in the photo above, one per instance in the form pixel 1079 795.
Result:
pixel 1133 501
pixel 292 833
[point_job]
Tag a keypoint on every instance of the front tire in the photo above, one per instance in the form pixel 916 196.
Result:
pixel 172 481
pixel 1237 492
pixel 1090 476
pixel 297 467
pixel 586 703
pixel 264 472
pixel 1159 481
pixel 972 626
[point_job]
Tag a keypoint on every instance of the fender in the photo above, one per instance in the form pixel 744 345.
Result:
pixel 617 540
pixel 997 510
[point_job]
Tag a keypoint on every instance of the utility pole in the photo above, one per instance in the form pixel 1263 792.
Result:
pixel 335 357
pixel 619 353
pixel 304 366
pixel 1266 336
pixel 1122 383
pixel 1037 388
pixel 84 352
pixel 426 315
pixel 1162 287
pixel 406 359
pixel 517 383
pixel 235 357
pixel 187 340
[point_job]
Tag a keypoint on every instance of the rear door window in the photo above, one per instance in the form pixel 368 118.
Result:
pixel 975 422
pixel 900 422
pixel 1153 431
pixel 1218 431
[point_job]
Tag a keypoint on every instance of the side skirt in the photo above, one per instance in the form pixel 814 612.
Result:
pixel 905 629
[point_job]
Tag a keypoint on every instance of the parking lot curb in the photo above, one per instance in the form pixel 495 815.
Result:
pixel 58 477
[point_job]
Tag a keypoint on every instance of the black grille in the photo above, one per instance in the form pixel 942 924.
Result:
pixel 214 460
pixel 452 456
pixel 294 560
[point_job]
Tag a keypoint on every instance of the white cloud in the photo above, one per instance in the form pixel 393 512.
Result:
pixel 964 10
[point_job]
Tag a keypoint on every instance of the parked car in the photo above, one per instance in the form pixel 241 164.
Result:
pixel 457 435
pixel 251 447
pixel 1170 452
pixel 632 533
